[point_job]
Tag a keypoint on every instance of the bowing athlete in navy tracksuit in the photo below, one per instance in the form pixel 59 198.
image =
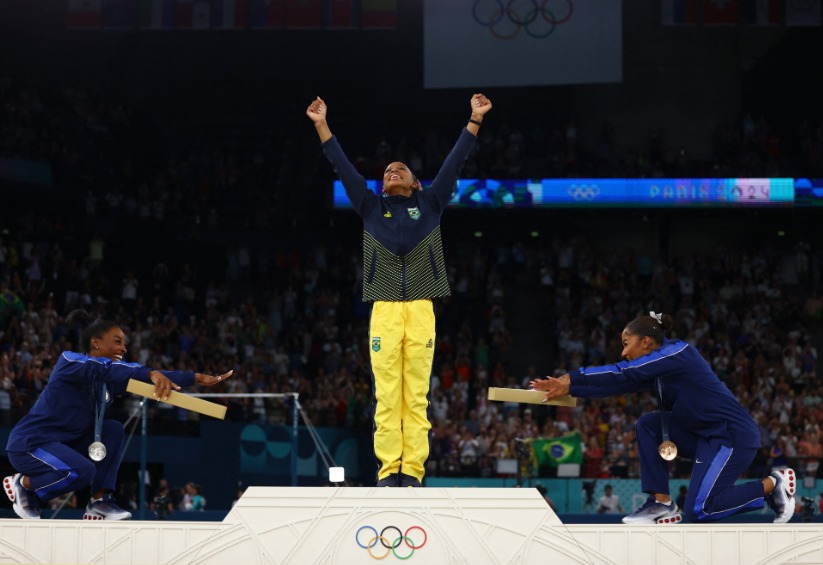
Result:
pixel 700 415
pixel 49 446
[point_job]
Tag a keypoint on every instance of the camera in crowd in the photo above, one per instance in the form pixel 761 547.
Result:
pixel 522 448
pixel 161 507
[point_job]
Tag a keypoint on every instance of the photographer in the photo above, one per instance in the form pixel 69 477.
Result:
pixel 162 503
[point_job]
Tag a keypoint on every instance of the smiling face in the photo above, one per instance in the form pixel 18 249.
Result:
pixel 635 346
pixel 399 180
pixel 111 344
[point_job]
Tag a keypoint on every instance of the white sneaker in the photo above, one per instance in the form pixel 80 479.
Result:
pixel 653 512
pixel 25 503
pixel 105 509
pixel 782 498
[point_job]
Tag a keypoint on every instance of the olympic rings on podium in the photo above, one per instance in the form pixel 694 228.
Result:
pixel 393 546
pixel 493 17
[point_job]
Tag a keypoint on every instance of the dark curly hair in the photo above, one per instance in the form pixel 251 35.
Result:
pixel 88 327
pixel 648 326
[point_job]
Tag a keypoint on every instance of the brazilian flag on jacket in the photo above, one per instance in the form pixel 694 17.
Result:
pixel 553 452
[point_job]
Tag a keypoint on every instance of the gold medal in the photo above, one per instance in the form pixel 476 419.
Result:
pixel 97 451
pixel 667 450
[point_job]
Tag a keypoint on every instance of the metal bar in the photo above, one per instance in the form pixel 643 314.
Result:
pixel 242 394
pixel 294 441
pixel 144 442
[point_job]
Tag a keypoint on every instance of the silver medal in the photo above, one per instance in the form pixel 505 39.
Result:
pixel 97 451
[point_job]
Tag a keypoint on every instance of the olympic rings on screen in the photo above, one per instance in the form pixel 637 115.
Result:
pixel 493 17
pixel 584 191
pixel 391 547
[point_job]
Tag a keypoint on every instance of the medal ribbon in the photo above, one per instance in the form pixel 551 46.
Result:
pixel 664 416
pixel 99 408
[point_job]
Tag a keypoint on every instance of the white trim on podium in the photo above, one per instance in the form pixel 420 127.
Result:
pixel 455 526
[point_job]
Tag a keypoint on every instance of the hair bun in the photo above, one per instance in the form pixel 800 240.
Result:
pixel 78 317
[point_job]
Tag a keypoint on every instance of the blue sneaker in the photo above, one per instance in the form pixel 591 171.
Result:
pixel 653 512
pixel 25 503
pixel 105 509
pixel 781 500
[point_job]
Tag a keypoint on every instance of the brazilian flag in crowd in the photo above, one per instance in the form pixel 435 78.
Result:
pixel 553 452
pixel 10 304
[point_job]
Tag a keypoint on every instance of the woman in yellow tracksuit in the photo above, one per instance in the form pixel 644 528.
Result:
pixel 403 270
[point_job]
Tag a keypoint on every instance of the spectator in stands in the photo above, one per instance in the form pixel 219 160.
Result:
pixel 609 502
pixel 193 500
pixel 162 503
pixel 681 497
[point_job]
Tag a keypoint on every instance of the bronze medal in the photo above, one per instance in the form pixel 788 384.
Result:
pixel 667 450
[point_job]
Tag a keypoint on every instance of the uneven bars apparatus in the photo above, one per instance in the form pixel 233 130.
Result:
pixel 294 417
pixel 192 402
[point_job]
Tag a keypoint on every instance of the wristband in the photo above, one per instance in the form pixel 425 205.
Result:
pixel 475 122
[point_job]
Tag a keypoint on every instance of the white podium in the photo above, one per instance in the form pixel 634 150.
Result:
pixel 431 526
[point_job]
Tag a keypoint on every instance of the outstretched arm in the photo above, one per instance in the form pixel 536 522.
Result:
pixel 479 105
pixel 443 184
pixel 317 113
pixel 361 198
pixel 163 385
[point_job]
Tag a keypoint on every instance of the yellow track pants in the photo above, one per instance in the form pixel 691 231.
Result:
pixel 401 339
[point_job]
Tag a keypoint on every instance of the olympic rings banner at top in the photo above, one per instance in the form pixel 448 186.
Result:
pixel 479 43
pixel 616 193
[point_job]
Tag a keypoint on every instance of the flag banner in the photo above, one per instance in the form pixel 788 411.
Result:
pixel 156 14
pixel 553 452
pixel 192 14
pixel 340 14
pixel 201 15
pixel 304 14
pixel 563 42
pixel 678 12
pixel 721 12
pixel 229 14
pixel 267 14
pixel 119 14
pixel 183 14
pixel 84 14
pixel 381 14
pixel 9 301
pixel 803 13
pixel 760 12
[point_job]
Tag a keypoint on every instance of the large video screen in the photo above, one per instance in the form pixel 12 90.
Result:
pixel 616 193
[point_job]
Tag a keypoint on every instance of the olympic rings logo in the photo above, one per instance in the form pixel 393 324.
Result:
pixel 506 20
pixel 402 538
pixel 584 192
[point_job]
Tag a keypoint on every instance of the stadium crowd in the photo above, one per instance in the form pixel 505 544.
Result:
pixel 161 246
